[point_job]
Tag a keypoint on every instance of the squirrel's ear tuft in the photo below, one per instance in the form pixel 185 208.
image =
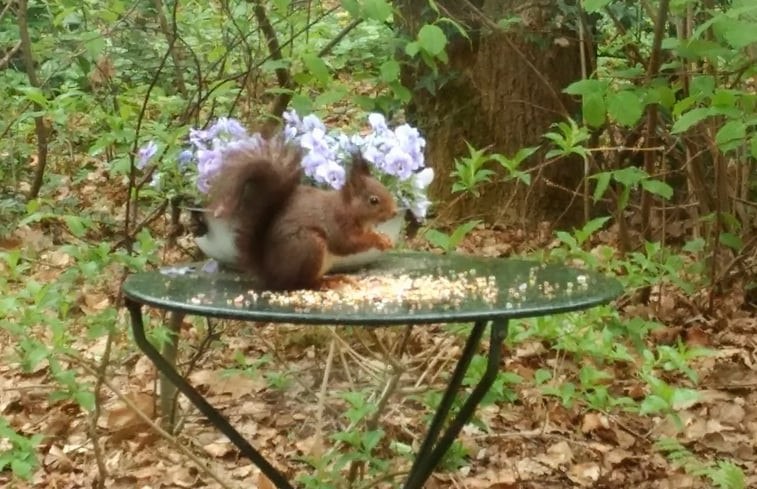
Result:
pixel 360 165
pixel 356 179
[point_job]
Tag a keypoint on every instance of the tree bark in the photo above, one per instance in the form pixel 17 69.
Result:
pixel 503 90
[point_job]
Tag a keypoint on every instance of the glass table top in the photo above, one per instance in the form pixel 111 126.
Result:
pixel 398 288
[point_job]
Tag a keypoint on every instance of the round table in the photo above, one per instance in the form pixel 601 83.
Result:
pixel 431 289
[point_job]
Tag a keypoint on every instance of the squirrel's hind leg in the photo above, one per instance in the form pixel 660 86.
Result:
pixel 295 261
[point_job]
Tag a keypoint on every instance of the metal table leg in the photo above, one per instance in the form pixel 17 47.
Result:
pixel 433 447
pixel 211 413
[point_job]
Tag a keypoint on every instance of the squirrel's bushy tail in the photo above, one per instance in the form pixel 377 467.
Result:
pixel 255 181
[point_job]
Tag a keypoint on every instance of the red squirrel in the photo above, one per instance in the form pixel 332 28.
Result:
pixel 288 233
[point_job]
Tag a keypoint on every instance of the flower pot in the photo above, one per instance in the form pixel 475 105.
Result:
pixel 219 243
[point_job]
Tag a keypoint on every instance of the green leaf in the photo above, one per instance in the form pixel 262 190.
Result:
pixel 317 68
pixel 36 95
pixel 76 225
pixel 432 39
pixel 753 147
pixel 401 92
pixel 302 103
pixel 459 233
pixel 378 10
pixel 390 70
pixel 731 240
pixel 690 118
pixel 684 398
pixel 586 87
pixel 371 439
pixel 702 86
pixel 412 48
pixel 653 404
pixel 629 176
pixel 658 187
pixel 625 107
pixel 595 5
pixel 437 238
pixel 330 97
pixel 593 226
pixel 731 135
pixel 351 6
pixel 737 33
pixel 542 375
pixel 21 467
pixel 594 109
pixel 603 180
pixel 696 245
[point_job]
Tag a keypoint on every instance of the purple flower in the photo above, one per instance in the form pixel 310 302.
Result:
pixel 203 184
pixel 411 142
pixel 184 159
pixel 377 122
pixel 290 133
pixel 291 118
pixel 331 173
pixel 311 122
pixel 198 137
pixel 252 143
pixel 315 140
pixel 348 144
pixel 208 163
pixel 228 127
pixel 311 162
pixel 398 163
pixel 374 155
pixel 145 153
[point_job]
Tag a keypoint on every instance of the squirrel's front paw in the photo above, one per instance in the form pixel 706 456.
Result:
pixel 384 242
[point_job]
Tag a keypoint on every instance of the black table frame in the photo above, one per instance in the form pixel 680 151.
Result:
pixel 435 443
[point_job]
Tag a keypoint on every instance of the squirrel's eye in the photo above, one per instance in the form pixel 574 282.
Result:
pixel 374 200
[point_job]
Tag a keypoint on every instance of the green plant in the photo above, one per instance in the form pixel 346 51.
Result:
pixel 450 242
pixel 722 473
pixel 18 452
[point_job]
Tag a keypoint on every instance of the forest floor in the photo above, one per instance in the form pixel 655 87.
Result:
pixel 533 442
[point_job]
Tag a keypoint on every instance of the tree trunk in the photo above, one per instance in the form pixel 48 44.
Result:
pixel 503 90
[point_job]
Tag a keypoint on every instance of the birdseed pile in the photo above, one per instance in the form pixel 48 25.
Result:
pixel 384 291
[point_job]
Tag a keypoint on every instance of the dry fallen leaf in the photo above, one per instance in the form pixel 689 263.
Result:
pixel 219 448
pixel 584 474
pixel 593 421
pixel 123 421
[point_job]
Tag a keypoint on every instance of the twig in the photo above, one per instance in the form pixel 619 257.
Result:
pixel 322 399
pixel 126 240
pixel 101 373
pixel 7 58
pixel 170 35
pixel 584 75
pixel 274 48
pixel 372 422
pixel 135 144
pixel 39 123
pixel 652 71
pixel 149 422
pixel 5 9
